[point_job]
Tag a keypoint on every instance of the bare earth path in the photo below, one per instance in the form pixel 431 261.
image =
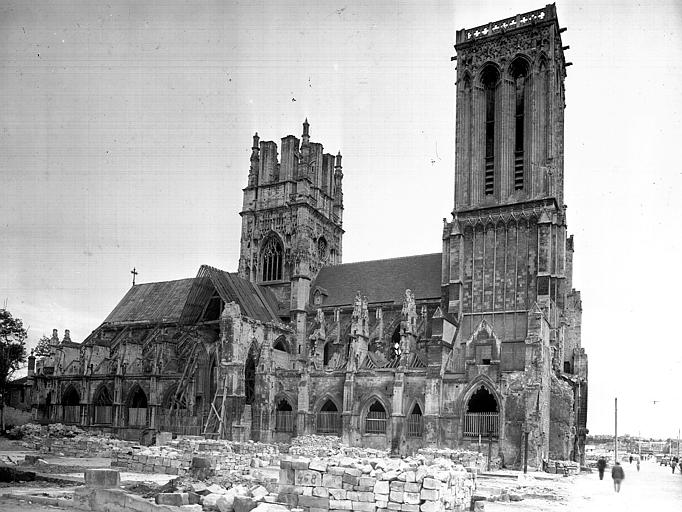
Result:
pixel 653 489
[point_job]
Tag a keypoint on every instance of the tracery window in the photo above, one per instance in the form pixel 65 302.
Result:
pixel 272 259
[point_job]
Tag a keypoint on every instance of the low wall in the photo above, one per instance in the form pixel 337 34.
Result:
pixel 374 485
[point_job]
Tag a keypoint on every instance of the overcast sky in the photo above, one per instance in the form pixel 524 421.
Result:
pixel 125 134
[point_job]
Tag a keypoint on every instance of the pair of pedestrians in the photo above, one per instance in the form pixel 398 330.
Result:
pixel 617 472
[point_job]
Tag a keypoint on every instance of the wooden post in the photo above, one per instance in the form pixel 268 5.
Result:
pixel 615 441
pixel 525 453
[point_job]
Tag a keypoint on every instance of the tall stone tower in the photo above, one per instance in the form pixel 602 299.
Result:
pixel 291 219
pixel 505 261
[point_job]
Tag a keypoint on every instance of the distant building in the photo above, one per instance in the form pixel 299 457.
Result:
pixel 479 341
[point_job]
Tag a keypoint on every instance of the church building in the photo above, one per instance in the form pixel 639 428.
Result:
pixel 477 343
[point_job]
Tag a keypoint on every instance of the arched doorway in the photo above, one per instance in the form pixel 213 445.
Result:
pixel 103 406
pixel 482 416
pixel 329 419
pixel 71 409
pixel 137 408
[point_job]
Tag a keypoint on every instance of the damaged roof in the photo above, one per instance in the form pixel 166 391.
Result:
pixel 380 280
pixel 184 300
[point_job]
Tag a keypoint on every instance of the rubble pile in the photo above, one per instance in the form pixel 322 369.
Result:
pixel 467 458
pixel 566 467
pixel 325 446
pixel 67 440
pixel 34 432
pixel 374 485
pixel 224 457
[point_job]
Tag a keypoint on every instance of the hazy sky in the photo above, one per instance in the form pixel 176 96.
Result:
pixel 125 134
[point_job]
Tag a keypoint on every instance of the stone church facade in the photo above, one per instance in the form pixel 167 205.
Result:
pixel 480 342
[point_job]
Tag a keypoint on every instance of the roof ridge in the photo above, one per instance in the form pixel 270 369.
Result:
pixel 159 282
pixel 384 259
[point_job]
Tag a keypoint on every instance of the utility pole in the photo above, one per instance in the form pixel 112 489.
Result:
pixel 525 454
pixel 616 429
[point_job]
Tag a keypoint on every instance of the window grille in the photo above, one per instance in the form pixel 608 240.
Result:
pixel 415 425
pixel 519 73
pixel 72 414
pixel 284 421
pixel 375 421
pixel 328 422
pixel 481 423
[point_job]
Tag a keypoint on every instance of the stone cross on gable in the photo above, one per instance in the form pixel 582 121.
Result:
pixel 134 273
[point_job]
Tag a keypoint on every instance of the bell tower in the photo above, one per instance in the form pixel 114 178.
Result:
pixel 505 248
pixel 507 261
pixel 291 218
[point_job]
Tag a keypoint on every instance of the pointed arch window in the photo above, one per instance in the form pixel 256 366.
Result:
pixel 284 417
pixel 137 408
pixel 103 406
pixel 396 349
pixel 375 421
pixel 71 409
pixel 519 72
pixel 329 419
pixel 489 79
pixel 327 353
pixel 249 380
pixel 415 422
pixel 272 260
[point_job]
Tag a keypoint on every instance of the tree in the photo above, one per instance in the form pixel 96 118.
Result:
pixel 12 353
pixel 43 347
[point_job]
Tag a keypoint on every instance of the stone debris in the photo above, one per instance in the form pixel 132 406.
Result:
pixel 325 446
pixel 565 467
pixel 376 484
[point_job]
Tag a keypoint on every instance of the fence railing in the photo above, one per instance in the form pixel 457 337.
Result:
pixel 102 414
pixel 284 421
pixel 71 413
pixel 415 425
pixel 375 423
pixel 137 416
pixel 481 423
pixel 328 422
pixel 179 424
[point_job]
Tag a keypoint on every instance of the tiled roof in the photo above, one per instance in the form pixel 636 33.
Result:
pixel 152 302
pixel 381 280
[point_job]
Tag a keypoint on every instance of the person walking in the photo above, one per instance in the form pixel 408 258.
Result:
pixel 674 465
pixel 630 459
pixel 618 476
pixel 601 466
pixel 638 465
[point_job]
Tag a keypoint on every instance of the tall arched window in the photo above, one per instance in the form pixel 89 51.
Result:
pixel 284 417
pixel 375 421
pixel 489 79
pixel 71 409
pixel 396 350
pixel 327 353
pixel 328 419
pixel 250 380
pixel 103 406
pixel 415 423
pixel 272 260
pixel 137 408
pixel 519 72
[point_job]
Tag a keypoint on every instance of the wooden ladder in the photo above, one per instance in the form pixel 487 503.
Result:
pixel 214 428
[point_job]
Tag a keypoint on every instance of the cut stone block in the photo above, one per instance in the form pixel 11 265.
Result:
pixel 102 478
